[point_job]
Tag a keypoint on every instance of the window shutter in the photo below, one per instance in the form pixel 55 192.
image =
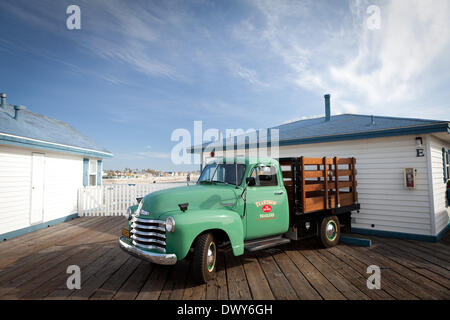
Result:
pixel 85 172
pixel 448 165
pixel 99 172
pixel 444 163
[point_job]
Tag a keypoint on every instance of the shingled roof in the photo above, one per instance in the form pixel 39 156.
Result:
pixel 348 127
pixel 354 124
pixel 38 131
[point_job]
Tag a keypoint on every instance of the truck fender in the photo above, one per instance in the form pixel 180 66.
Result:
pixel 195 222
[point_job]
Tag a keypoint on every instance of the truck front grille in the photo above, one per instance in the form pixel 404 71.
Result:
pixel 148 234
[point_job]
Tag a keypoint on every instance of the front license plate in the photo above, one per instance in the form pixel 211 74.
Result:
pixel 126 233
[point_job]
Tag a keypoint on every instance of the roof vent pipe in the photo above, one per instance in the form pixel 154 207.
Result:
pixel 3 100
pixel 18 112
pixel 327 107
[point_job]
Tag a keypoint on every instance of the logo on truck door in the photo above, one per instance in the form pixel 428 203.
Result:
pixel 266 207
pixel 265 202
pixel 266 216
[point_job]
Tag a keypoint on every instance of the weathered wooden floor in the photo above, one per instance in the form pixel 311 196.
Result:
pixel 34 267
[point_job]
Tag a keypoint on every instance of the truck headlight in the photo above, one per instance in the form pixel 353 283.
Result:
pixel 127 214
pixel 170 224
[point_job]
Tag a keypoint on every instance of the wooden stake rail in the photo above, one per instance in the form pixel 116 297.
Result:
pixel 316 184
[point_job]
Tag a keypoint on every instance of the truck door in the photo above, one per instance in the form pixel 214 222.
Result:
pixel 267 205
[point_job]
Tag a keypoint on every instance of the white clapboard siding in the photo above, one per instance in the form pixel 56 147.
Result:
pixel 441 210
pixel 385 203
pixel 63 176
pixel 15 186
pixel 380 163
pixel 114 199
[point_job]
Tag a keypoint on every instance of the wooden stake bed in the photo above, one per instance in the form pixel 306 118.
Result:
pixel 318 184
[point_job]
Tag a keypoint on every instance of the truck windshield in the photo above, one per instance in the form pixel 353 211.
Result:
pixel 223 173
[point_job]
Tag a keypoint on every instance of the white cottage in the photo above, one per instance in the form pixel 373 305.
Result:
pixel 383 147
pixel 43 162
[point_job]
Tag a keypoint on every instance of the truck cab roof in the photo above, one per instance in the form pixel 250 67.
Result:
pixel 243 160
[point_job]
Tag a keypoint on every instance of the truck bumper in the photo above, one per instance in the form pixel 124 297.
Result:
pixel 158 258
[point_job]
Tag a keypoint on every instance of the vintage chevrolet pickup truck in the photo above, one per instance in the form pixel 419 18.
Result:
pixel 243 204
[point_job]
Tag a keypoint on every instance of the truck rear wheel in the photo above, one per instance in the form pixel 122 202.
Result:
pixel 205 256
pixel 330 231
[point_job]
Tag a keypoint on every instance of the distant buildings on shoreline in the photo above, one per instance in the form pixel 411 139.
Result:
pixel 145 174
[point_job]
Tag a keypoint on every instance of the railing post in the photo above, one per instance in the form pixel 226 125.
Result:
pixel 107 202
pixel 294 185
pixel 336 181
pixel 79 202
pixel 355 199
pixel 325 181
pixel 302 168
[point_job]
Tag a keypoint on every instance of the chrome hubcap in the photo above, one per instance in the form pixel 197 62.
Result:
pixel 211 259
pixel 331 230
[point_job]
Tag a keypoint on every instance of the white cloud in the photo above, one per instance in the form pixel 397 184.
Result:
pixel 392 71
pixel 131 34
pixel 118 31
pixel 132 53
pixel 245 73
pixel 390 62
pixel 317 46
pixel 303 118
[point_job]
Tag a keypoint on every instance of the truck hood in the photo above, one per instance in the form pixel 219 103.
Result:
pixel 199 196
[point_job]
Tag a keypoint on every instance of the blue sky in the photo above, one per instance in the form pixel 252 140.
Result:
pixel 137 70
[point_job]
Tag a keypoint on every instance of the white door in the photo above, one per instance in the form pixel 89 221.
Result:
pixel 37 188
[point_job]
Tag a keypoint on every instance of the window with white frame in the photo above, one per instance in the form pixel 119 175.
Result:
pixel 92 172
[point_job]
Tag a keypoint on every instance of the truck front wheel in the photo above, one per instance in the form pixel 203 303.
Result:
pixel 330 231
pixel 205 254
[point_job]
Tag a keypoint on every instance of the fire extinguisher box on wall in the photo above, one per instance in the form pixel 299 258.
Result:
pixel 410 178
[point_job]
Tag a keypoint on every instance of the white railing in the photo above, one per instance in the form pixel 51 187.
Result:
pixel 114 199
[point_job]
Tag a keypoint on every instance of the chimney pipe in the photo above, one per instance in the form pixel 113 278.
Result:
pixel 18 112
pixel 3 101
pixel 327 108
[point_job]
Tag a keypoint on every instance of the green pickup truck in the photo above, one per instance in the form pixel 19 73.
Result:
pixel 243 204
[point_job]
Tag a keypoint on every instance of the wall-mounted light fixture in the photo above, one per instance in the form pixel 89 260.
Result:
pixel 419 142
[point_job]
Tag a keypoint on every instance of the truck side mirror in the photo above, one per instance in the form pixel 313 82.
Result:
pixel 250 181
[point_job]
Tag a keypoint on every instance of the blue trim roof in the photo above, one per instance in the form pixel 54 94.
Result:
pixel 347 127
pixel 37 131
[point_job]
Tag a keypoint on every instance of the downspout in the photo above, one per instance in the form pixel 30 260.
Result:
pixel 430 186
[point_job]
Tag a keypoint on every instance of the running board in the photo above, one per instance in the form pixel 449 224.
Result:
pixel 265 243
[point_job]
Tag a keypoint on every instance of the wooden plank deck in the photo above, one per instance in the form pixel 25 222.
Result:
pixel 34 266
